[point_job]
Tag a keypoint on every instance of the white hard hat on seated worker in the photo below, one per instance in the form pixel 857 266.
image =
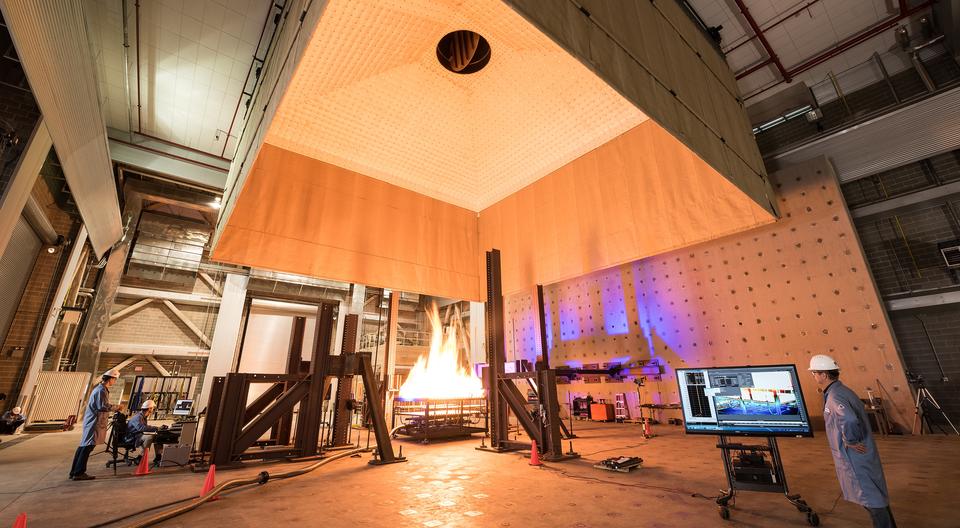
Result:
pixel 823 362
pixel 149 404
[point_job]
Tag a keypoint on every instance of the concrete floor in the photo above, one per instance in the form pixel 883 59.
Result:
pixel 451 484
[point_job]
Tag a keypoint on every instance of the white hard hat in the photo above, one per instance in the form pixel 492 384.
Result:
pixel 112 373
pixel 149 404
pixel 823 362
pixel 16 410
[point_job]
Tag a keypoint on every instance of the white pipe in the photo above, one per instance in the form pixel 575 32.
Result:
pixel 53 317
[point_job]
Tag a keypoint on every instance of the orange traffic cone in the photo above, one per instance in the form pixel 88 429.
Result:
pixel 144 467
pixel 208 483
pixel 21 521
pixel 534 454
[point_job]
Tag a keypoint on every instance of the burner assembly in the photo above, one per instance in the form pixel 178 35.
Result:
pixel 426 419
pixel 441 396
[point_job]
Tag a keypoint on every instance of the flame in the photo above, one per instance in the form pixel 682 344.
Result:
pixel 440 375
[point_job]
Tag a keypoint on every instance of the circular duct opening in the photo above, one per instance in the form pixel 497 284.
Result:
pixel 463 51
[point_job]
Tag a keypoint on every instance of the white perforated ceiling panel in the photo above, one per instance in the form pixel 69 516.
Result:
pixel 369 95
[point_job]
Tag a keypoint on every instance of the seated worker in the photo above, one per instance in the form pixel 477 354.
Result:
pixel 137 425
pixel 11 421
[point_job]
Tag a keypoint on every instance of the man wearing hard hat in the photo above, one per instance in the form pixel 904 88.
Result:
pixel 854 452
pixel 137 425
pixel 11 421
pixel 95 420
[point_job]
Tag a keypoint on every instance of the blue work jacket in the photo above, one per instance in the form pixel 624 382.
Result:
pixel 860 475
pixel 96 416
pixel 136 426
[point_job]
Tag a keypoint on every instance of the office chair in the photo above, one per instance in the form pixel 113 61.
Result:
pixel 117 442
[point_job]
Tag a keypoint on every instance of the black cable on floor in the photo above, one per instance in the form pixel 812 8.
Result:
pixel 677 491
pixel 141 512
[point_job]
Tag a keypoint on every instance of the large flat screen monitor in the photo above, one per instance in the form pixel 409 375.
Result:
pixel 747 401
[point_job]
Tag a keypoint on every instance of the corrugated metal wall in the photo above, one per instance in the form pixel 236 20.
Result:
pixel 58 395
pixel 909 134
pixel 16 264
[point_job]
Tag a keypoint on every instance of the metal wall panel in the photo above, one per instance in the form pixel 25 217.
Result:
pixel 58 395
pixel 909 134
pixel 51 41
pixel 16 264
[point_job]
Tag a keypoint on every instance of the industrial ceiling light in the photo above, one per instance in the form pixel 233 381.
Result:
pixel 463 51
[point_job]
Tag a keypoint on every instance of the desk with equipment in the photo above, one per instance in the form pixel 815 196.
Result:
pixel 178 439
pixel 747 401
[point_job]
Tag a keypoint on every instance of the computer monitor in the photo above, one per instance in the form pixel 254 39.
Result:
pixel 183 408
pixel 746 401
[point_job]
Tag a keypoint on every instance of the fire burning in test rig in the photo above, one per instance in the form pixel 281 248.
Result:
pixel 443 374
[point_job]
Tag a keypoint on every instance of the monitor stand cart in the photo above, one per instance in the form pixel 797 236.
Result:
pixel 753 472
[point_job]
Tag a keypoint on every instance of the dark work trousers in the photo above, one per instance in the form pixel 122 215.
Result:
pixel 80 460
pixel 881 517
pixel 9 428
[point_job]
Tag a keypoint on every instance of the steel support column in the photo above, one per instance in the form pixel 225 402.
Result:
pixel 98 315
pixel 294 357
pixel 226 335
pixel 390 345
pixel 342 415
pixel 496 354
pixel 308 421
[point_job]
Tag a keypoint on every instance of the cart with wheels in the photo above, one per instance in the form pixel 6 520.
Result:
pixel 748 469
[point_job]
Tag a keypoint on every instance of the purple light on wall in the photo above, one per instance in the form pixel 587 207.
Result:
pixel 548 322
pixel 615 320
pixel 569 321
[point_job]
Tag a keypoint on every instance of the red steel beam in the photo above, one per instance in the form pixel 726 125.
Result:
pixel 763 41
pixel 859 38
pixel 792 14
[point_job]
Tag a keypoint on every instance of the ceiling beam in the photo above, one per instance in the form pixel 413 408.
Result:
pixel 940 194
pixel 182 298
pixel 784 74
pixel 147 349
pixel 849 43
pixel 22 181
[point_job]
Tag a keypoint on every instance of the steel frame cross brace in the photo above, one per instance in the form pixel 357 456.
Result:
pixel 270 416
pixel 370 386
pixel 551 426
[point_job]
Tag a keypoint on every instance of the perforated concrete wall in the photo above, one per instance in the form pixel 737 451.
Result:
pixel 777 294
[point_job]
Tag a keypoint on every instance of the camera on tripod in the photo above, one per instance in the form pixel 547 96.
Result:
pixel 925 403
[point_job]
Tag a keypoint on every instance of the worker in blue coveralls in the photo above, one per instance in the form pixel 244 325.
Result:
pixel 137 425
pixel 95 420
pixel 854 452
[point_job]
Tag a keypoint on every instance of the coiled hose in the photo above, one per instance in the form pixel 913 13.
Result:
pixel 260 478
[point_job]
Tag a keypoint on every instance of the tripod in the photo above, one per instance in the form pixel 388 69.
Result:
pixel 920 415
